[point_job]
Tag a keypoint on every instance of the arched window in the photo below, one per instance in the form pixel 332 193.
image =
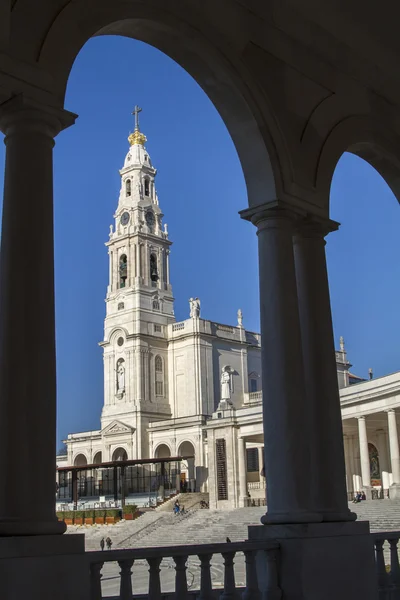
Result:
pixel 159 373
pixel 128 187
pixel 158 364
pixel 153 268
pixel 123 270
pixel 146 187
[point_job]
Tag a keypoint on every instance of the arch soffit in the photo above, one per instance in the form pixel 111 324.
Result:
pixel 363 136
pixel 160 444
pixel 186 441
pixel 236 95
pixel 117 332
pixel 119 447
pixel 79 453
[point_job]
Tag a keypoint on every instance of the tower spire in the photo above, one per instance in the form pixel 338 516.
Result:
pixel 137 138
pixel 136 112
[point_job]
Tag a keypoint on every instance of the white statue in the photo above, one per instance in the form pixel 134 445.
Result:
pixel 341 342
pixel 139 189
pixel 165 229
pixel 225 384
pixel 111 230
pixel 240 317
pixel 194 307
pixel 121 378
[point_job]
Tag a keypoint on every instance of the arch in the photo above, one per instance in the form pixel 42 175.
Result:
pixel 188 470
pixel 159 375
pixel 146 186
pixel 97 458
pixel 153 267
pixel 123 270
pixel 361 136
pixel 162 451
pixel 128 187
pixel 235 92
pixel 80 460
pixel 119 454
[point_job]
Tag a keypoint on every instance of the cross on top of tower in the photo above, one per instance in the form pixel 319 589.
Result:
pixel 136 112
pixel 137 137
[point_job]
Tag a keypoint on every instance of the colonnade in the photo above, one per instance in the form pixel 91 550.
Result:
pixel 302 419
pixel 393 446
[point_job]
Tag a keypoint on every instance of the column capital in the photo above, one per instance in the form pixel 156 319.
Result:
pixel 390 410
pixel 313 227
pixel 271 211
pixel 22 113
pixel 361 418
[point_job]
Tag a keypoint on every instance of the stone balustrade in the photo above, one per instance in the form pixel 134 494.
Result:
pixel 387 564
pixel 256 485
pixel 180 554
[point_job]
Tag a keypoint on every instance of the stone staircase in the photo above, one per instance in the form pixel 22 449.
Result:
pixel 189 500
pixel 163 528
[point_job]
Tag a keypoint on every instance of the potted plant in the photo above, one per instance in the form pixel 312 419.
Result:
pixel 112 516
pixel 89 517
pixel 99 516
pixel 78 517
pixel 69 517
pixel 129 511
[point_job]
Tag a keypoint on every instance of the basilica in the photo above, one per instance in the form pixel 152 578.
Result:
pixel 193 388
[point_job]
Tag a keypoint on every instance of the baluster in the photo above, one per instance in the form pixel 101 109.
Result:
pixel 125 587
pixel 154 578
pixel 394 561
pixel 252 591
pixel 95 580
pixel 181 590
pixel 273 591
pixel 380 564
pixel 229 576
pixel 205 577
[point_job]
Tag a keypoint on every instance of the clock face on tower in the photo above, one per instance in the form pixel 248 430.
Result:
pixel 150 218
pixel 125 218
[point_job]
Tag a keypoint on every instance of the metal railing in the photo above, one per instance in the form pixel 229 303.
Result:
pixel 387 564
pixel 180 556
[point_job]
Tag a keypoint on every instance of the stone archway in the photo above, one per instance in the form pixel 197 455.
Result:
pixel 80 460
pixel 162 451
pixel 97 459
pixel 188 470
pixel 119 454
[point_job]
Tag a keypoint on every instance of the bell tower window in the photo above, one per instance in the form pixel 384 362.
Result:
pixel 159 376
pixel 153 268
pixel 146 187
pixel 123 270
pixel 128 187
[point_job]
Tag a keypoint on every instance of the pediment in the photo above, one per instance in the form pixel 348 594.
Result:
pixel 117 427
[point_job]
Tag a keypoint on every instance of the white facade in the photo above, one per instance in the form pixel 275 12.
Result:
pixel 193 388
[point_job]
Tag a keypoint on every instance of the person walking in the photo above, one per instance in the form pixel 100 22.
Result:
pixel 109 543
pixel 102 543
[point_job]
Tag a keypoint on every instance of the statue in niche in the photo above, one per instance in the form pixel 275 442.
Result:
pixel 194 304
pixel 226 383
pixel 120 377
pixel 240 317
pixel 139 189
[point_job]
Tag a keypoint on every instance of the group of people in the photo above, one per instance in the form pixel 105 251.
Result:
pixel 178 509
pixel 107 542
pixel 359 496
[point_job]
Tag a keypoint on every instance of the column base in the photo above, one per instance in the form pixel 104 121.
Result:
pixel 44 567
pixel 321 560
pixel 394 491
pixel 16 527
pixel 286 517
pixel 337 517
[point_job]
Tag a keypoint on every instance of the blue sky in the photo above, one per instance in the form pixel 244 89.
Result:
pixel 201 189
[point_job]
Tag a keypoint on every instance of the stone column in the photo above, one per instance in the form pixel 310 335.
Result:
pixel 285 412
pixel 364 454
pixel 394 453
pixel 261 465
pixel 327 477
pixel 242 471
pixel 27 320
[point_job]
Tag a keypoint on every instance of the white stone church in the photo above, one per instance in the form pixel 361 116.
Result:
pixel 193 388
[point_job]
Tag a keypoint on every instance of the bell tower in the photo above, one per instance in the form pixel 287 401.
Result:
pixel 139 301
